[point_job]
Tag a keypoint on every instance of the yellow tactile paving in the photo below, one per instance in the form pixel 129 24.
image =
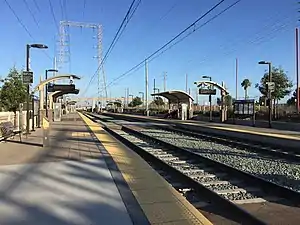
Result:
pixel 161 203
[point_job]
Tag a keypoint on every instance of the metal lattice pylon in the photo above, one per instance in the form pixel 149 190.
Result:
pixel 64 50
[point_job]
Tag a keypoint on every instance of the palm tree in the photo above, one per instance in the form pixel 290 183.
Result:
pixel 246 84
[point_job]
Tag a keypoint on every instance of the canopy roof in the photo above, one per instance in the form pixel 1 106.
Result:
pixel 175 96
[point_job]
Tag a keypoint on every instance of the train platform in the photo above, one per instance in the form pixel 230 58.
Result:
pixel 84 176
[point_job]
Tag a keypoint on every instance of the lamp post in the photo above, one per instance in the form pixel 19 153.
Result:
pixel 28 46
pixel 46 94
pixel 142 93
pixel 131 98
pixel 210 108
pixel 269 90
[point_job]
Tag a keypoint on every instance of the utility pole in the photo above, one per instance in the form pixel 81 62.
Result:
pixel 236 79
pixel 186 83
pixel 165 76
pixel 127 96
pixel 197 96
pixel 147 87
pixel 297 72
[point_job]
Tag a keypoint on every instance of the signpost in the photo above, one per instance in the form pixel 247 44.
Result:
pixel 27 77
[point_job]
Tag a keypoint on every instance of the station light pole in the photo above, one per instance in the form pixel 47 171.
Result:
pixel 142 93
pixel 28 46
pixel 269 90
pixel 131 98
pixel 46 94
pixel 210 108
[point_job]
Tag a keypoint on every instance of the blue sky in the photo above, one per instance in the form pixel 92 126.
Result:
pixel 253 30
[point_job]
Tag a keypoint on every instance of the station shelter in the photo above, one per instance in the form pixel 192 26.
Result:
pixel 114 106
pixel 179 102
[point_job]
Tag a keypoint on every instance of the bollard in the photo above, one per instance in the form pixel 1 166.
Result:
pixel 46 131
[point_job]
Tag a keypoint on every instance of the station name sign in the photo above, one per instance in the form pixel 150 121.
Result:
pixel 205 91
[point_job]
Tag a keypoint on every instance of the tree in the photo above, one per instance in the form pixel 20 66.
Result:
pixel 13 92
pixel 246 84
pixel 228 100
pixel 159 101
pixel 282 84
pixel 135 102
pixel 292 100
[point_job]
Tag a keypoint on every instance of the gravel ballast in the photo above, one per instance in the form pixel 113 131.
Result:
pixel 277 170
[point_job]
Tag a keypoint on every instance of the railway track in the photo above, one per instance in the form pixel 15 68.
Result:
pixel 222 185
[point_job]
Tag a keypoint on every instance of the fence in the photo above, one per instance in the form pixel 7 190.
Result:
pixel 19 120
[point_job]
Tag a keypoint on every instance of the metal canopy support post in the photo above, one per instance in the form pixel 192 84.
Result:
pixel 28 94
pixel 270 96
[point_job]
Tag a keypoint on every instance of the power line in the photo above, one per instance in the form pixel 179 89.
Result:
pixel 139 65
pixel 124 27
pixel 53 15
pixel 23 25
pixel 36 5
pixel 32 15
pixel 114 40
pixel 19 20
pixel 84 3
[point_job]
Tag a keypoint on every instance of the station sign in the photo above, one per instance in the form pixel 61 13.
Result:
pixel 205 91
pixel 61 87
pixel 270 86
pixel 27 77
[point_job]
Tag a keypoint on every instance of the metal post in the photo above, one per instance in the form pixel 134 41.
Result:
pixel 270 96
pixel 165 75
pixel 236 78
pixel 186 83
pixel 147 87
pixel 32 102
pixel 210 108
pixel 28 94
pixel 154 88
pixel 297 71
pixel 46 94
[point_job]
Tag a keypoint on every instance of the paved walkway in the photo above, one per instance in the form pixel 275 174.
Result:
pixel 67 183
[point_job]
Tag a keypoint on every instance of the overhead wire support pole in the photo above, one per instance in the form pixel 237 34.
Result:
pixel 236 79
pixel 297 72
pixel 147 87
pixel 186 83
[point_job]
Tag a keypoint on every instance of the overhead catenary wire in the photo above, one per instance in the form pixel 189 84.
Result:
pixel 256 40
pixel 31 13
pixel 36 5
pixel 245 41
pixel 126 20
pixel 23 25
pixel 83 10
pixel 139 65
pixel 53 16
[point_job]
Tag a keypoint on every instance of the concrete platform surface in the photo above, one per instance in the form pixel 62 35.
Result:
pixel 64 192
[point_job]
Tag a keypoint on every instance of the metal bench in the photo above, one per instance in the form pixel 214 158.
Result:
pixel 7 130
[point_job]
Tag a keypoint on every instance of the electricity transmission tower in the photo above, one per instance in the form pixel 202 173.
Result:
pixel 64 50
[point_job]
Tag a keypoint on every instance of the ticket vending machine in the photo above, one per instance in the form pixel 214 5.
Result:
pixel 57 112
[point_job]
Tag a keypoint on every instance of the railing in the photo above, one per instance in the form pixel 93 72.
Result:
pixel 19 121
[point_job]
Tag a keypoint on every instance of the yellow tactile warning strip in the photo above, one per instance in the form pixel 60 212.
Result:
pixel 291 137
pixel 161 203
